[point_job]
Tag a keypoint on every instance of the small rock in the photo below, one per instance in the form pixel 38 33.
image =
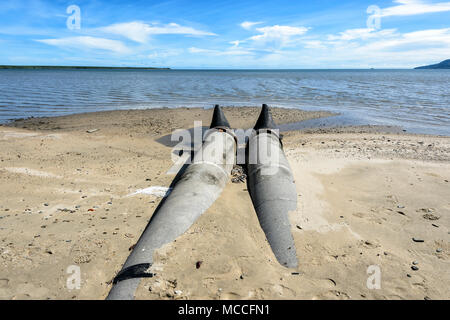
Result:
pixel 408 275
pixel 415 263
pixel 430 216
pixel 400 207
pixel 92 130
pixel 46 204
pixel 417 240
pixel 415 268
pixel 178 292
pixel 438 250
pixel 198 264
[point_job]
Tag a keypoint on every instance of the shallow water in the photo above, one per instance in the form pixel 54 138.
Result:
pixel 417 100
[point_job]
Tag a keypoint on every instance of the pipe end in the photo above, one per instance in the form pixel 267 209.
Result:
pixel 219 120
pixel 265 120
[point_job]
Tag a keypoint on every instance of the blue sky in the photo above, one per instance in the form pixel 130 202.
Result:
pixel 226 34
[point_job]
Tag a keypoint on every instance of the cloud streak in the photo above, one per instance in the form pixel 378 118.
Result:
pixel 87 42
pixel 228 52
pixel 277 36
pixel 362 34
pixel 248 25
pixel 414 7
pixel 410 41
pixel 141 32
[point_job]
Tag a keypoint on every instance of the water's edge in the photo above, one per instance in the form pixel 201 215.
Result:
pixel 418 101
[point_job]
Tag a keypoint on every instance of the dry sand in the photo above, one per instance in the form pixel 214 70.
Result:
pixel 363 196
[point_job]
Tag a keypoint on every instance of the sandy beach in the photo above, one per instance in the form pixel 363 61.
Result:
pixel 367 196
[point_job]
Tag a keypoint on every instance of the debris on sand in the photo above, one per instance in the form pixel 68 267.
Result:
pixel 157 191
pixel 238 175
pixel 430 216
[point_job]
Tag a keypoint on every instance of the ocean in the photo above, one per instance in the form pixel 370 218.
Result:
pixel 416 100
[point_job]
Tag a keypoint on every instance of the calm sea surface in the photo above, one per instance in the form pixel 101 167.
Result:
pixel 417 100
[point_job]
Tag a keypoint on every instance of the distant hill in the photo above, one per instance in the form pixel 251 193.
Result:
pixel 80 67
pixel 443 65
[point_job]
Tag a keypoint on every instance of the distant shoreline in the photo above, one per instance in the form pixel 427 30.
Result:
pixel 32 67
pixel 79 67
pixel 443 65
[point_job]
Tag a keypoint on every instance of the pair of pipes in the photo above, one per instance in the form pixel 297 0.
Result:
pixel 270 183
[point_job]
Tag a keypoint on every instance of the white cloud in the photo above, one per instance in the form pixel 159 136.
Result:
pixel 277 36
pixel 414 7
pixel 361 34
pixel 314 44
pixel 228 52
pixel 411 41
pixel 249 24
pixel 398 51
pixel 235 43
pixel 161 54
pixel 140 31
pixel 200 50
pixel 87 42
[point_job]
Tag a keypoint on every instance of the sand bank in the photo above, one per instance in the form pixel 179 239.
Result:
pixel 67 199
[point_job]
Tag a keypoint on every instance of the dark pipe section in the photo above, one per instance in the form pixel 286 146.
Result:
pixel 219 120
pixel 265 120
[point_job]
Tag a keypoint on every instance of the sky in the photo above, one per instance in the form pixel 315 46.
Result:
pixel 244 34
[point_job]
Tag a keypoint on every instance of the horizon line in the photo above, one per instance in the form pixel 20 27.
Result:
pixel 186 68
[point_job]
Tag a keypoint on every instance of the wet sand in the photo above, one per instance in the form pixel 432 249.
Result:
pixel 364 194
